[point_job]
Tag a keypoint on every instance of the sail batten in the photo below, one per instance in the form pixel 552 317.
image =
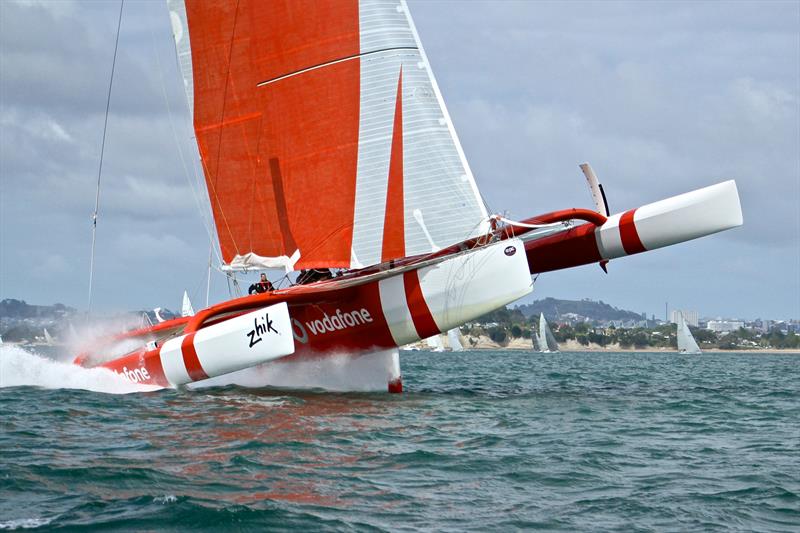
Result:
pixel 333 62
pixel 295 110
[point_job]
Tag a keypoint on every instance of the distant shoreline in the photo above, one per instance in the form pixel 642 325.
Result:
pixel 521 344
pixel 483 342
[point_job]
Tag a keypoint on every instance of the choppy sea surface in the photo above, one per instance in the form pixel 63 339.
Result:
pixel 484 441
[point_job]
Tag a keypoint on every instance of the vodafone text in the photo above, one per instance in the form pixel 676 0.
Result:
pixel 329 323
pixel 136 375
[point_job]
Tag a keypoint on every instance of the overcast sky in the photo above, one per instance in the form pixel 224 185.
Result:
pixel 661 98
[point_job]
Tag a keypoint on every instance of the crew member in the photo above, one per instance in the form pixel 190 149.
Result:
pixel 313 274
pixel 261 286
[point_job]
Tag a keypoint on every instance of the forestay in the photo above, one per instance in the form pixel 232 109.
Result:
pixel 324 138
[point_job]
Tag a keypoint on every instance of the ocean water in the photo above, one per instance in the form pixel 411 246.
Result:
pixel 480 441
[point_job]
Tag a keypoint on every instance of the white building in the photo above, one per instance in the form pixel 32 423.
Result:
pixel 691 317
pixel 724 326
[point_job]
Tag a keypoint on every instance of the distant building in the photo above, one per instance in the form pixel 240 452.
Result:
pixel 691 317
pixel 724 326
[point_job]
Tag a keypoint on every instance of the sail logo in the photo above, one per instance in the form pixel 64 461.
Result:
pixel 136 375
pixel 510 250
pixel 330 323
pixel 260 329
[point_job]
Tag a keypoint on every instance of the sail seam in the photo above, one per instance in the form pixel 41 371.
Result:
pixel 333 62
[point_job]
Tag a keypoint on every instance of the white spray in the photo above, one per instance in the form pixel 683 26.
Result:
pixel 20 367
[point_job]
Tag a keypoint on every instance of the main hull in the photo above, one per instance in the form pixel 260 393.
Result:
pixel 380 312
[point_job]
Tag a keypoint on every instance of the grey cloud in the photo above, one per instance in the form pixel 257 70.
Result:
pixel 61 62
pixel 660 97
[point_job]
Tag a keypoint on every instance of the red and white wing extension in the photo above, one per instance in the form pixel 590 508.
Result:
pixel 324 138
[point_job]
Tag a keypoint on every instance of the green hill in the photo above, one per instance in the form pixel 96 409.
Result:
pixel 554 308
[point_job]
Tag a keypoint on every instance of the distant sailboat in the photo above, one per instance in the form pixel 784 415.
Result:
pixel 186 308
pixel 543 340
pixel 48 339
pixel 454 337
pixel 686 342
pixel 435 343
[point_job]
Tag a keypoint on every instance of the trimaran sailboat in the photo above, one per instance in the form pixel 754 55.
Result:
pixel 326 144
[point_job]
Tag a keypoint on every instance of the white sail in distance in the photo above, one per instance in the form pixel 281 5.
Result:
pixel 186 307
pixel 454 337
pixel 543 339
pixel 435 343
pixel 686 342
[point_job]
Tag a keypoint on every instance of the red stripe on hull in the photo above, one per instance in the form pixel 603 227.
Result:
pixel 190 359
pixel 420 313
pixel 395 386
pixel 630 237
pixel 577 246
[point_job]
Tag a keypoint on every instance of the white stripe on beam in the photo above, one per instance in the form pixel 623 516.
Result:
pixel 395 310
pixel 608 238
pixel 172 361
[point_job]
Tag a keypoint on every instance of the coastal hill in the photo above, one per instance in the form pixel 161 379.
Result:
pixel 20 321
pixel 24 322
pixel 594 311
pixel 19 309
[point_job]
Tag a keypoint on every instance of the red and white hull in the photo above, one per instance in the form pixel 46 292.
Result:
pixel 351 316
pixel 384 307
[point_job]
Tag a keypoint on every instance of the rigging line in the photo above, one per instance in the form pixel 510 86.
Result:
pixel 213 190
pixel 192 186
pixel 208 279
pixel 100 169
pixel 222 120
pixel 197 183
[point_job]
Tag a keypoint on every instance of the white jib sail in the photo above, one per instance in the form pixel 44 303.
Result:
pixel 186 307
pixel 686 342
pixel 454 336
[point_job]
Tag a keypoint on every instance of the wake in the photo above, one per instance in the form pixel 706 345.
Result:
pixel 338 372
pixel 21 367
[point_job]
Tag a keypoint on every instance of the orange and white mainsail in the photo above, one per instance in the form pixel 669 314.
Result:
pixel 324 138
